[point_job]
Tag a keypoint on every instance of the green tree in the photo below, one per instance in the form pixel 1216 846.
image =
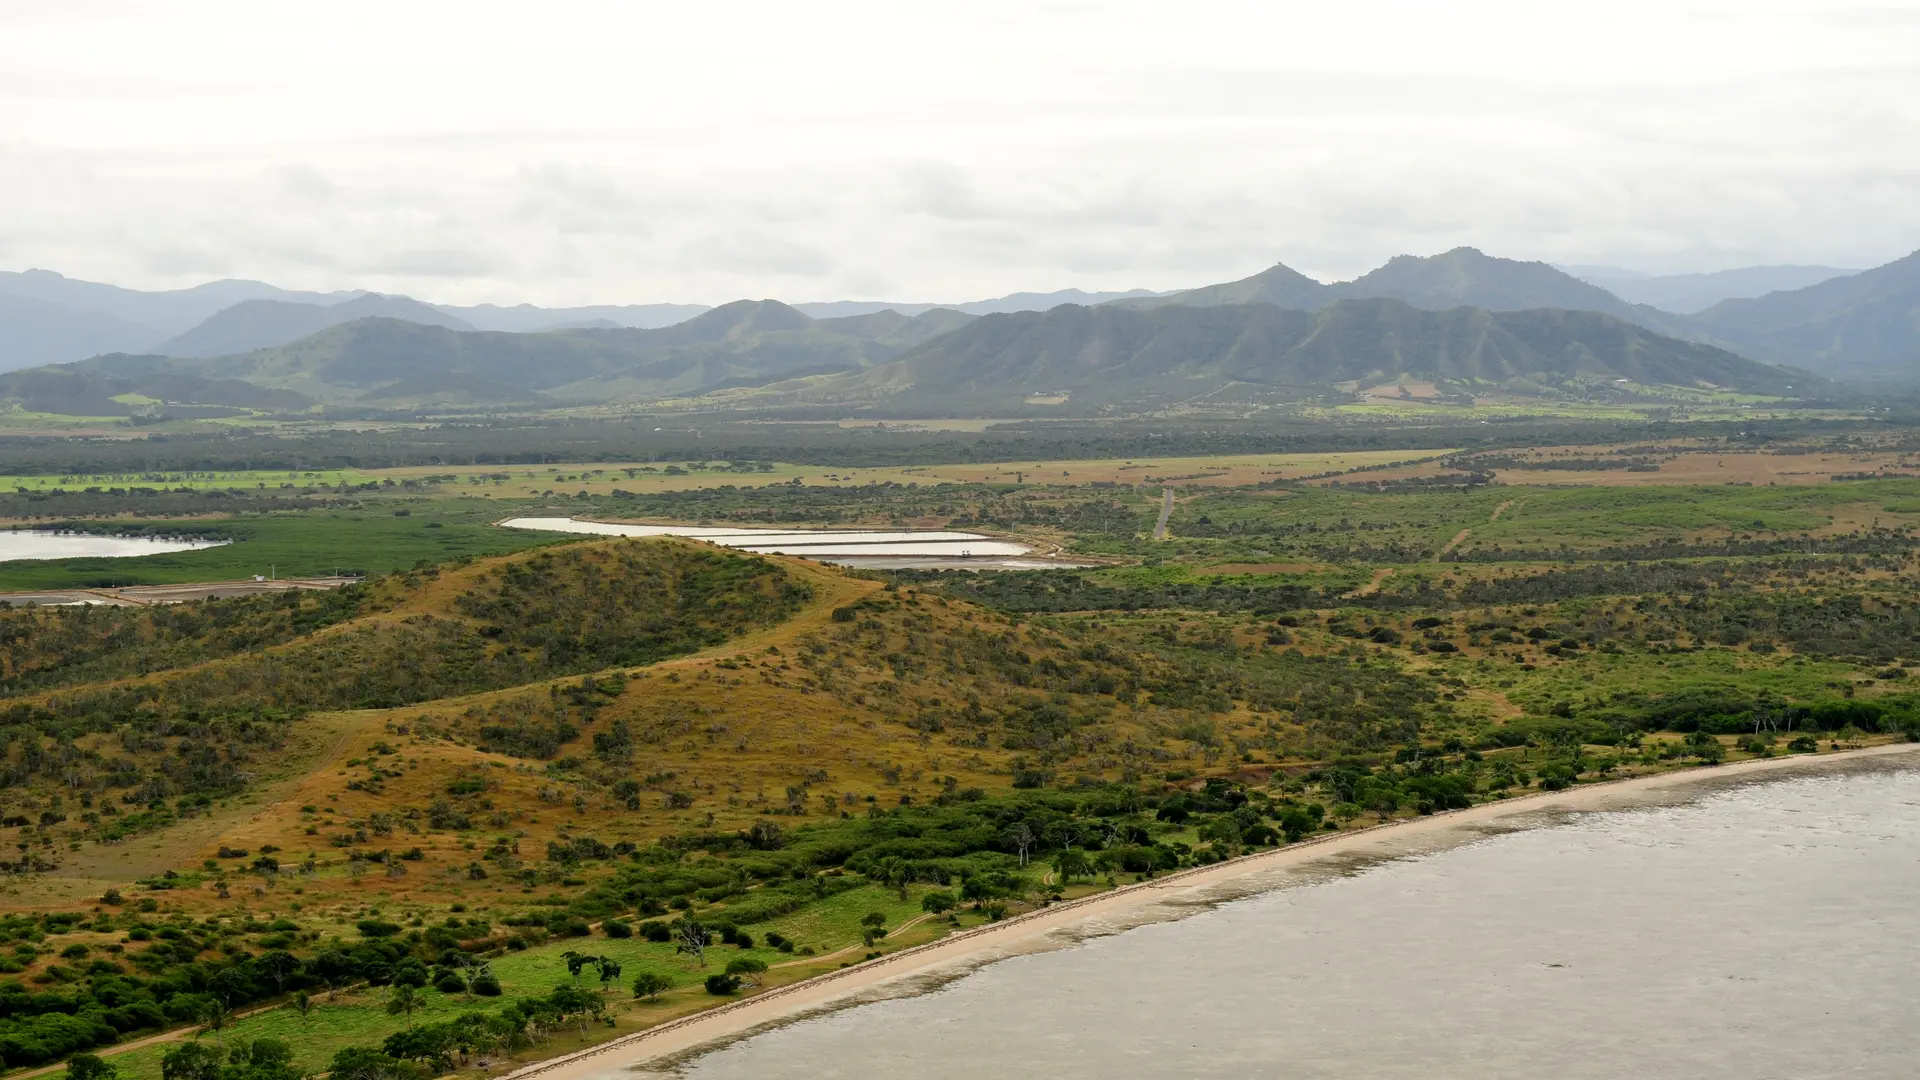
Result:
pixel 361 1063
pixel 191 1061
pixel 403 1001
pixel 1296 823
pixel 609 971
pixel 1070 863
pixel 90 1067
pixel 651 985
pixel 747 968
pixel 938 902
pixel 303 1004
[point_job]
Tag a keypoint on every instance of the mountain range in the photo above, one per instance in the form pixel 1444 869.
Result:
pixel 47 318
pixel 1124 355
pixel 1863 326
pixel 381 362
pixel 1686 294
pixel 1463 277
pixel 1462 321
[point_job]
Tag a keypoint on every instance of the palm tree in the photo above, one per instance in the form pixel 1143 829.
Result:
pixel 302 1004
pixel 403 1000
pixel 894 871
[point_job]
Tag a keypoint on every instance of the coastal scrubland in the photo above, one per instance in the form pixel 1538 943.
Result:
pixel 513 793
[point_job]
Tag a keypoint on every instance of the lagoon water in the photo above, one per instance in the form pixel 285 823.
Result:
pixel 1751 929
pixel 868 547
pixel 42 544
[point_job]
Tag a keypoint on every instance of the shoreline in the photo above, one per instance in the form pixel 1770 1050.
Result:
pixel 711 1026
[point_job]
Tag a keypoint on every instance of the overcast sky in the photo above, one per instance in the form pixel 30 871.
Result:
pixel 634 151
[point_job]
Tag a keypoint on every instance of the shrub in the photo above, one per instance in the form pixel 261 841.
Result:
pixel 722 985
pixel 615 928
pixel 485 985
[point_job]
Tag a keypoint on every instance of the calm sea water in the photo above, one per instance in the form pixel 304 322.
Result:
pixel 37 544
pixel 1755 929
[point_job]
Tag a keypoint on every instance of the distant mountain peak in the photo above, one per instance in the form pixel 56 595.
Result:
pixel 263 324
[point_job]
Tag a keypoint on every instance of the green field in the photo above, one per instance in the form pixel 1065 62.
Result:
pixel 360 1018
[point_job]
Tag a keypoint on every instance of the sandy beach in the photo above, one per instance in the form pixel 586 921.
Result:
pixel 1130 904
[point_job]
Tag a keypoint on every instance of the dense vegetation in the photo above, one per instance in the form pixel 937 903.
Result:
pixel 202 732
pixel 61 646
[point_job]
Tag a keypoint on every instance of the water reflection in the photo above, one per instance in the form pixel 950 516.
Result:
pixel 46 544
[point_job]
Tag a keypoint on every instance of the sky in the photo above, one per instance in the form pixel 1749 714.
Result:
pixel 573 151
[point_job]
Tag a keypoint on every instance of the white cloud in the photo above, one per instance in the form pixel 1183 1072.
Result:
pixel 618 152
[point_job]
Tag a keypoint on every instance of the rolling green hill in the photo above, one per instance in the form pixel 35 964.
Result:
pixel 124 385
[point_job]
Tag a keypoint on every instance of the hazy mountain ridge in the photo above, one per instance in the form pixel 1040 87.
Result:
pixel 34 332
pixel 47 318
pixel 1860 326
pixel 401 363
pixel 261 324
pixel 1856 325
pixel 1462 277
pixel 374 348
pixel 528 319
pixel 1111 353
pixel 1690 294
pixel 167 312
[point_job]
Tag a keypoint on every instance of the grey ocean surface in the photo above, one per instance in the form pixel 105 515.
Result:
pixel 1753 929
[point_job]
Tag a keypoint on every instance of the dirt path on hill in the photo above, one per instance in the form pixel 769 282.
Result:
pixel 1166 511
pixel 1372 586
pixel 1458 539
